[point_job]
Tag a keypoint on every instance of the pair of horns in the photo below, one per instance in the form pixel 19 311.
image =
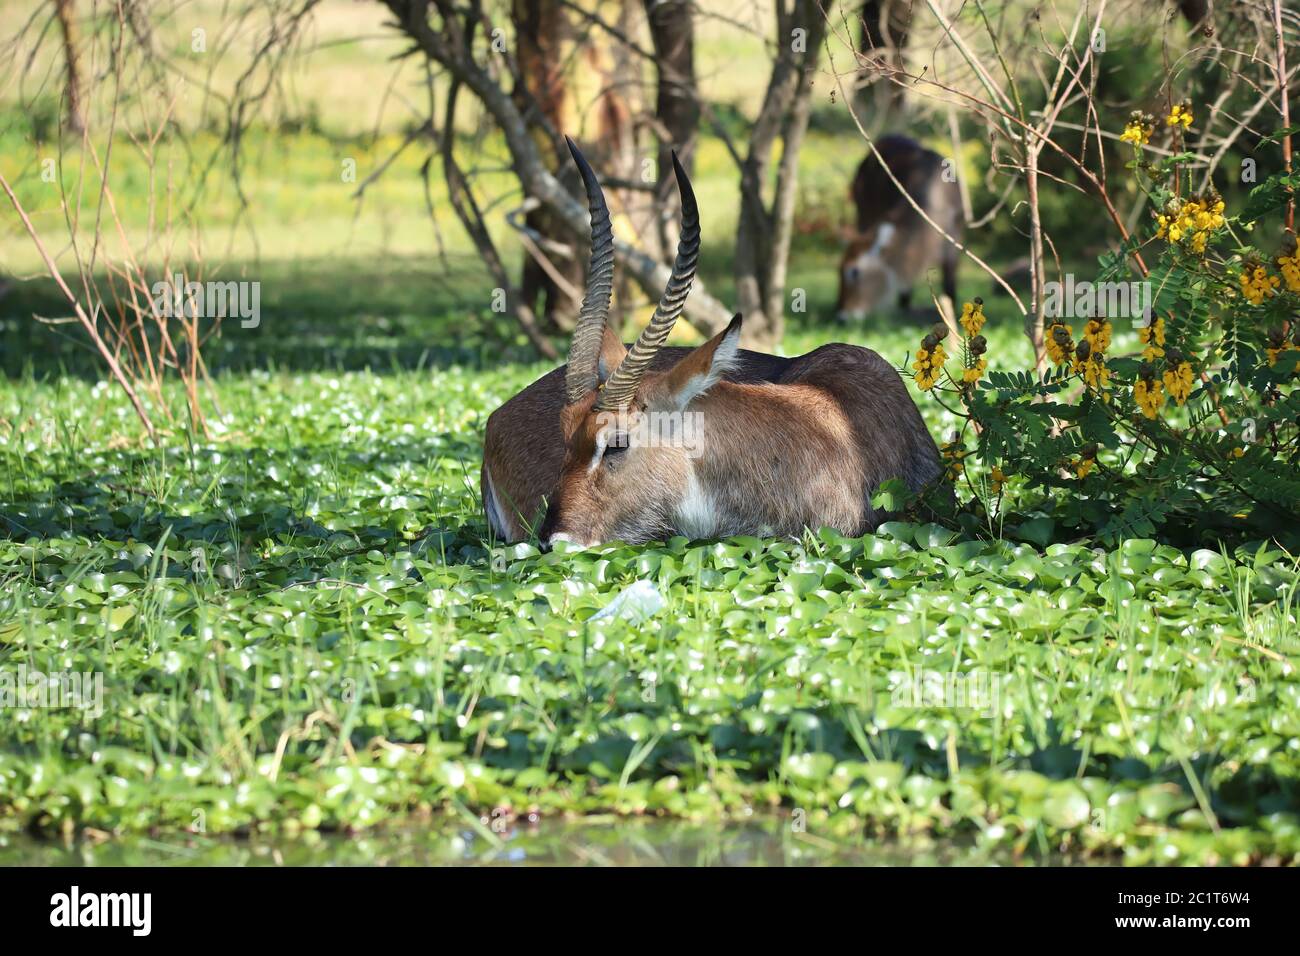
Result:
pixel 582 375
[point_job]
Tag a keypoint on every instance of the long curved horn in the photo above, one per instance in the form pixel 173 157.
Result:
pixel 622 385
pixel 581 376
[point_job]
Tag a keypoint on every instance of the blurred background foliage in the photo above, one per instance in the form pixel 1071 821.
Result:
pixel 279 209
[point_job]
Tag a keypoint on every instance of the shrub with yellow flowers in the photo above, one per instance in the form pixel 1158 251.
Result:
pixel 1148 391
pixel 1090 354
pixel 1180 115
pixel 1177 378
pixel 1288 263
pixel 928 368
pixel 1256 282
pixel 972 316
pixel 1152 337
pixel 954 453
pixel 974 345
pixel 976 363
pixel 1194 221
pixel 1086 460
pixel 1058 342
pixel 930 358
pixel 1091 365
pixel 1186 419
pixel 1139 129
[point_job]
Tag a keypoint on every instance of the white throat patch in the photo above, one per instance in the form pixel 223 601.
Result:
pixel 697 514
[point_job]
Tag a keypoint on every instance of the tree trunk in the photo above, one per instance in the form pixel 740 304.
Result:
pixel 445 47
pixel 677 108
pixel 763 234
pixel 614 148
pixel 625 83
pixel 885 26
pixel 75 117
pixel 541 34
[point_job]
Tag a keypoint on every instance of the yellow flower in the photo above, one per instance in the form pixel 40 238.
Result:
pixel 1256 284
pixel 1238 452
pixel 1097 334
pixel 929 365
pixel 1153 337
pixel 998 479
pixel 973 358
pixel 1149 395
pixel 1139 128
pixel 1197 218
pixel 1180 115
pixel 1095 372
pixel 1058 343
pixel 1135 133
pixel 953 453
pixel 1087 458
pixel 1206 216
pixel 1276 353
pixel 1178 382
pixel 1211 216
pixel 972 317
pixel 1090 363
pixel 1290 266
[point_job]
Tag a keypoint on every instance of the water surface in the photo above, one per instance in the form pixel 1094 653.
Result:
pixel 589 842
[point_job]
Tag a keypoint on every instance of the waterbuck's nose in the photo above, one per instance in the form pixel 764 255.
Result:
pixel 548 537
pixel 549 543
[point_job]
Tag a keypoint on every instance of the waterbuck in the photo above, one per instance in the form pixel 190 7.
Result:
pixel 892 245
pixel 641 443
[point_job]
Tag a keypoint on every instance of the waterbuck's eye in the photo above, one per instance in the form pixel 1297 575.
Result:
pixel 617 445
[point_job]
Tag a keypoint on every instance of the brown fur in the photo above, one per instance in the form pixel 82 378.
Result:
pixel 787 444
pixel 523 446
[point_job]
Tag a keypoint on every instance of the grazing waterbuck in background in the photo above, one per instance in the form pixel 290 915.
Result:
pixel 893 245
pixel 777 444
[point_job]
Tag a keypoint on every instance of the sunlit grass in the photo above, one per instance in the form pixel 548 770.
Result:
pixel 303 624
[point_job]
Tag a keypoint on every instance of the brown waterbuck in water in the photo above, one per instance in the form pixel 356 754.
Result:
pixel 642 443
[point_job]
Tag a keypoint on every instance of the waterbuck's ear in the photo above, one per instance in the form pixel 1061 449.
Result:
pixel 612 353
pixel 701 369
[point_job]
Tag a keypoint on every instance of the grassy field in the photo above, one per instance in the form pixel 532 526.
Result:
pixel 302 625
pixel 303 629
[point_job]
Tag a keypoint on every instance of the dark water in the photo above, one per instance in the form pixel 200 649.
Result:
pixel 586 843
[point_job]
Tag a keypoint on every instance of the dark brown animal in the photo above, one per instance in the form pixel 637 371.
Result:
pixel 892 245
